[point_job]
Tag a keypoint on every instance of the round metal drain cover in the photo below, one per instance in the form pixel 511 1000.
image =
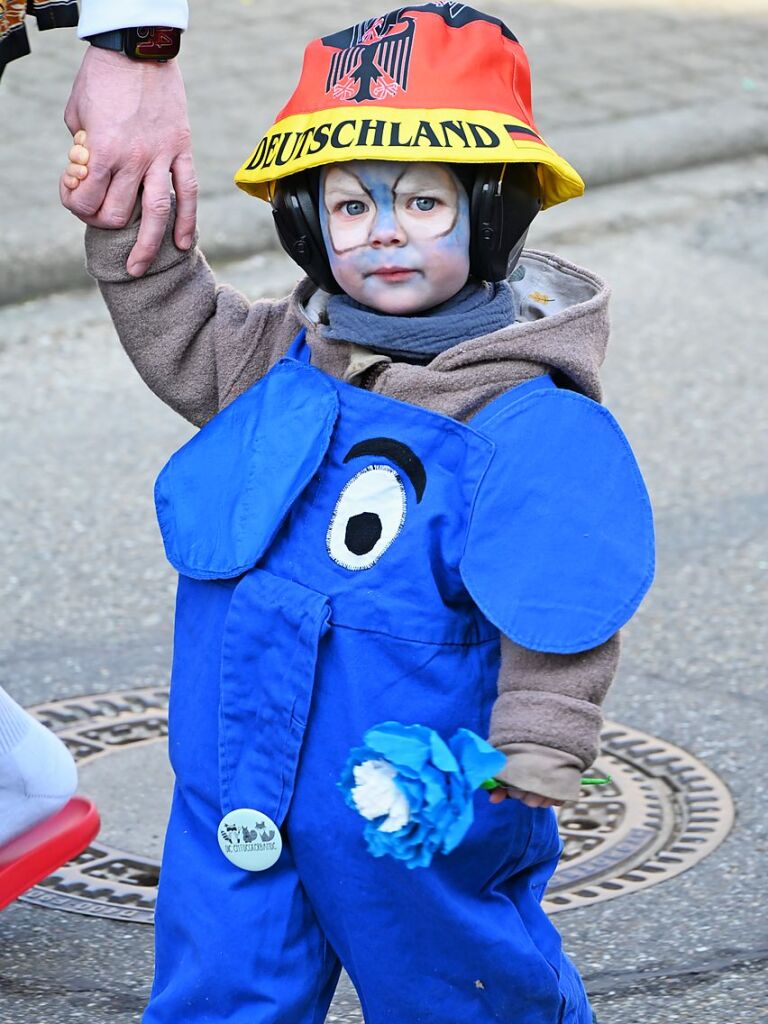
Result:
pixel 663 812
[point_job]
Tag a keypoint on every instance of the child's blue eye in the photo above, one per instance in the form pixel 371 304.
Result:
pixel 354 207
pixel 425 203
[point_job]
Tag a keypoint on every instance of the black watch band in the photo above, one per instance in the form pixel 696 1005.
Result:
pixel 147 42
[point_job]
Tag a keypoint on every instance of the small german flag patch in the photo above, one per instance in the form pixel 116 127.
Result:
pixel 519 131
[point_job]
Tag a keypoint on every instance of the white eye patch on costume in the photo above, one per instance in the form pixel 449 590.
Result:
pixel 371 509
pixel 368 516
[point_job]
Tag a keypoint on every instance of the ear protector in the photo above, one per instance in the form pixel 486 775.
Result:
pixel 503 200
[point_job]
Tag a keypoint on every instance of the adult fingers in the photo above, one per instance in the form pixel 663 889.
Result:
pixel 120 199
pixel 186 189
pixel 155 209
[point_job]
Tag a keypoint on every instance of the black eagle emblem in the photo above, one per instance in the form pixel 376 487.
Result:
pixel 374 63
pixel 373 57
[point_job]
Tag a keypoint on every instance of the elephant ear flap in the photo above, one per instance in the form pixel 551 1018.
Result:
pixel 221 498
pixel 560 548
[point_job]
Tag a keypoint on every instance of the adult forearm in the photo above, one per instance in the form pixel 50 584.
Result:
pixel 135 116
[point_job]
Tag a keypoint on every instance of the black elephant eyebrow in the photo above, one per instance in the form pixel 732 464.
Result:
pixel 396 452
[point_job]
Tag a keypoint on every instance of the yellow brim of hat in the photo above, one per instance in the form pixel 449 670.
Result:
pixel 302 141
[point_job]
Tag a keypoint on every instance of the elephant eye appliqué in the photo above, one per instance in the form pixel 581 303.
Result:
pixel 368 516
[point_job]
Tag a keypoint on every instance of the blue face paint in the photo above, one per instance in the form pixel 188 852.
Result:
pixel 397 234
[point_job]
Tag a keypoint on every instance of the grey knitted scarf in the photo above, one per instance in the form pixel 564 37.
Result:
pixel 478 309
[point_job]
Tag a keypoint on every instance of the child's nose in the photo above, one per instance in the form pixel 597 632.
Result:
pixel 387 230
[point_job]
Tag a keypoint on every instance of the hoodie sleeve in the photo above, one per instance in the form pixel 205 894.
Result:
pixel 547 716
pixel 195 344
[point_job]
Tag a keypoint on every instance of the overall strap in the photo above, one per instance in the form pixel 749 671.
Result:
pixel 299 349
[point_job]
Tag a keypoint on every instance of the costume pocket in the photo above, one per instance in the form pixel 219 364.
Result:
pixel 502 840
pixel 268 666
pixel 543 853
pixel 527 879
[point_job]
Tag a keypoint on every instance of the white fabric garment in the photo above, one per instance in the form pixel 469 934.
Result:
pixel 37 773
pixel 106 15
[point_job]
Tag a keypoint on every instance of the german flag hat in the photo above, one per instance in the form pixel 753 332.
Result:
pixel 436 81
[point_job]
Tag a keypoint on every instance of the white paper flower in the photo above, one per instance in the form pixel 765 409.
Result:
pixel 376 794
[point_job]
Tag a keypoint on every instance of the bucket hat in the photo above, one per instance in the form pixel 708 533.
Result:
pixel 429 82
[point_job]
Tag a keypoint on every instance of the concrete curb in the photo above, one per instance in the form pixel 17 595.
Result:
pixel 34 264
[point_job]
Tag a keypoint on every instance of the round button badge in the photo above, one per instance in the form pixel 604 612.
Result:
pixel 250 839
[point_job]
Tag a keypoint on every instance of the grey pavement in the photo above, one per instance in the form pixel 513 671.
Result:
pixel 86 597
pixel 622 89
pixel 87 600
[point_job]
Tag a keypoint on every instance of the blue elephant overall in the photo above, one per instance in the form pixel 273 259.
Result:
pixel 346 559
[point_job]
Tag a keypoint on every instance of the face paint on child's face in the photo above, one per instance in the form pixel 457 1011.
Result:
pixel 397 234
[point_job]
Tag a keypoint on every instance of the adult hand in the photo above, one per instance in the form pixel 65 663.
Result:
pixel 135 115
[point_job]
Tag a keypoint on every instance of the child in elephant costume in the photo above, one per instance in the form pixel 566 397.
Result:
pixel 405 502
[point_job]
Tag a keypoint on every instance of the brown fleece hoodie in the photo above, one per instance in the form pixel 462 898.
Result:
pixel 198 346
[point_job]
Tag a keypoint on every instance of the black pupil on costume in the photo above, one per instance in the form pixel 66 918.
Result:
pixel 363 530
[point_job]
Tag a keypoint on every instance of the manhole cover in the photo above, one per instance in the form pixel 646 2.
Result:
pixel 663 813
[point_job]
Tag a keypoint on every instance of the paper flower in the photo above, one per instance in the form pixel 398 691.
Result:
pixel 415 790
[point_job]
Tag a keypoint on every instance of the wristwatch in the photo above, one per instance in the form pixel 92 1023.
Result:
pixel 147 42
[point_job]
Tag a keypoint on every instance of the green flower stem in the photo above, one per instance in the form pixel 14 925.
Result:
pixel 588 781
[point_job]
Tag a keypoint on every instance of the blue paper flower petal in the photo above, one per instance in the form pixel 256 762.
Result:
pixel 458 829
pixel 438 780
pixel 401 745
pixel 440 754
pixel 478 759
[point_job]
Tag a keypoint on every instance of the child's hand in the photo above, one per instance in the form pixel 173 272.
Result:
pixel 529 799
pixel 77 168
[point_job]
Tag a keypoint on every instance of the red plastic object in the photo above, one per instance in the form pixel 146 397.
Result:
pixel 35 854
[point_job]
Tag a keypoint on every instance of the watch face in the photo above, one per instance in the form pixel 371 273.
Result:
pixel 152 42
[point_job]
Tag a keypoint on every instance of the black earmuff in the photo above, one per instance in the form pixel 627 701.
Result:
pixel 295 208
pixel 504 199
